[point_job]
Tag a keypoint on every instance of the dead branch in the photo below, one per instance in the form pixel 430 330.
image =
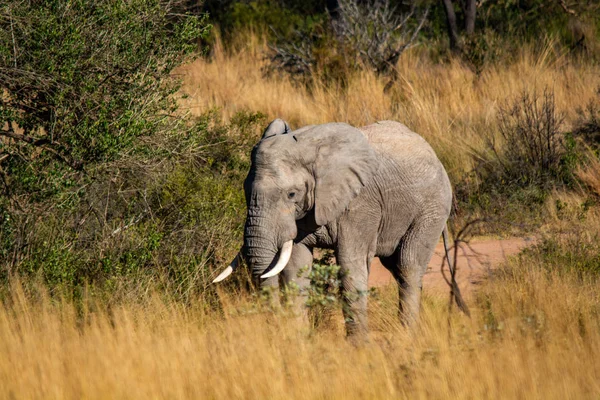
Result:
pixel 463 236
pixel 566 8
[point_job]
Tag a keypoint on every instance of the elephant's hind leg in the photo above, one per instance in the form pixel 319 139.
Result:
pixel 412 257
pixel 409 289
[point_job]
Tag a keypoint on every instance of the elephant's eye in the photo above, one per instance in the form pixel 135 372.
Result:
pixel 291 195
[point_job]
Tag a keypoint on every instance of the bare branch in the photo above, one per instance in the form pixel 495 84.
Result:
pixel 132 222
pixel 22 137
pixel 566 8
pixel 463 236
pixel 393 59
pixel 14 43
pixel 369 33
pixel 39 142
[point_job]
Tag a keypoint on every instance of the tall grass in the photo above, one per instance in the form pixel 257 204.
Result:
pixel 533 334
pixel 449 104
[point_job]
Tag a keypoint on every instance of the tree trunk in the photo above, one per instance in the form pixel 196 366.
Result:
pixel 333 8
pixel 470 10
pixel 452 26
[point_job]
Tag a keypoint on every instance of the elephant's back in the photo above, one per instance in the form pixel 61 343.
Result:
pixel 406 155
pixel 411 183
pixel 397 141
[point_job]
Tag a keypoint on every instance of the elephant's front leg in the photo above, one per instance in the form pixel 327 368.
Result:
pixel 270 291
pixel 295 277
pixel 354 259
pixel 356 244
pixel 354 296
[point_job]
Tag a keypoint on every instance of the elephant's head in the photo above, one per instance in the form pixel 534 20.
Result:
pixel 313 172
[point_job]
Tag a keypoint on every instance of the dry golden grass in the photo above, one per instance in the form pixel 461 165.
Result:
pixel 590 174
pixel 448 104
pixel 532 335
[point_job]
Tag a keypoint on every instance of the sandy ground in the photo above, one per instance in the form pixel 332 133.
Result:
pixel 474 265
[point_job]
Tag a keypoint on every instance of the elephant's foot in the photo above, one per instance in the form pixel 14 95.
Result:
pixel 409 306
pixel 355 295
pixel 355 315
pixel 356 333
pixel 268 293
pixel 408 313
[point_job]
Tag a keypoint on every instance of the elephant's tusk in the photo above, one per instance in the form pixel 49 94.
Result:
pixel 284 258
pixel 227 271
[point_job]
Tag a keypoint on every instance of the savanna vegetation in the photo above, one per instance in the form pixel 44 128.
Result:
pixel 125 134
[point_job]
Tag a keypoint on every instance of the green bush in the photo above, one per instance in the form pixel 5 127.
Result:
pixel 107 186
pixel 81 80
pixel 161 217
pixel 575 253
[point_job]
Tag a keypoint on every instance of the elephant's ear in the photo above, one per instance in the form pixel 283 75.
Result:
pixel 276 127
pixel 344 163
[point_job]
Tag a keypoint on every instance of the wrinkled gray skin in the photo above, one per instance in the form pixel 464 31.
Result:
pixel 375 191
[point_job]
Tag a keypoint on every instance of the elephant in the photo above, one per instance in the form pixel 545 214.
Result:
pixel 376 191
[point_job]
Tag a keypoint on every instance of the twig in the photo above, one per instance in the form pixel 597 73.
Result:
pixel 40 142
pixel 130 224
pixel 459 238
pixel 567 9
pixel 392 59
pixel 12 32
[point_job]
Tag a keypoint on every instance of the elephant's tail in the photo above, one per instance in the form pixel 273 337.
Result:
pixel 453 285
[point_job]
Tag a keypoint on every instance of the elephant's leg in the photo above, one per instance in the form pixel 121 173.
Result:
pixel 355 248
pixel 270 290
pixel 354 258
pixel 409 278
pixel 295 277
pixel 354 295
pixel 414 253
pixel 392 264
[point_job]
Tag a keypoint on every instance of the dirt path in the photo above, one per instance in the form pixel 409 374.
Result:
pixel 472 268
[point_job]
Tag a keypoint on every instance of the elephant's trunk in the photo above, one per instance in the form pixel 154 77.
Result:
pixel 284 257
pixel 260 246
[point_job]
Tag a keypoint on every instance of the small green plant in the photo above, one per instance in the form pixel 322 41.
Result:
pixel 324 285
pixel 575 254
pixel 587 125
pixel 323 293
pixel 481 50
